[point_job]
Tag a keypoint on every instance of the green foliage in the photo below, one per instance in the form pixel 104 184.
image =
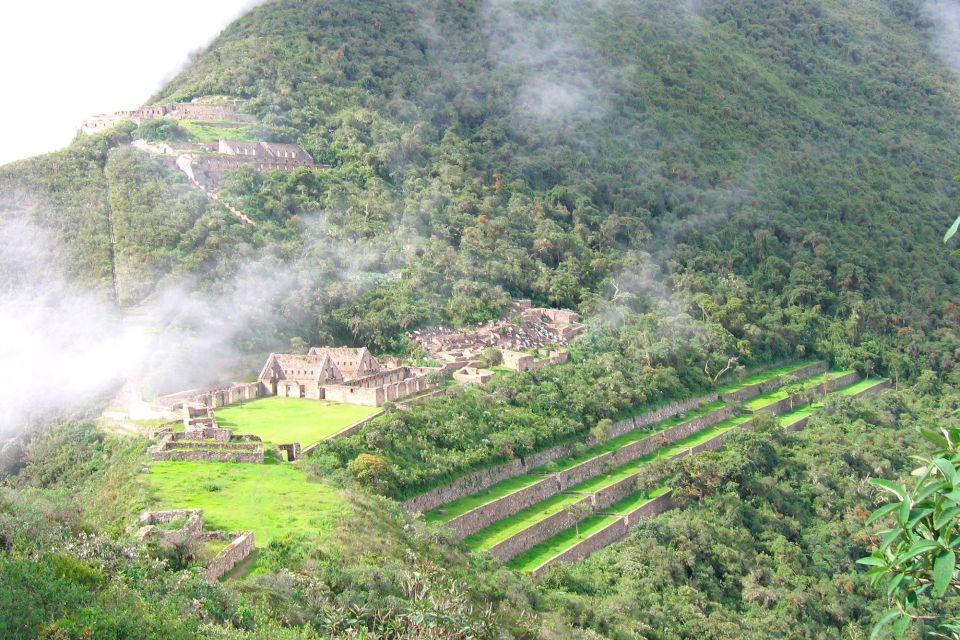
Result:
pixel 916 558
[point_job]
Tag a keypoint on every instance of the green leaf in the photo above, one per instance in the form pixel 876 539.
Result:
pixel 952 230
pixel 897 579
pixel 888 539
pixel 945 516
pixel 916 515
pixel 872 562
pixel 884 620
pixel 904 513
pixel 900 626
pixel 882 511
pixel 948 471
pixel 892 487
pixel 931 488
pixel 953 496
pixel 935 438
pixel 943 571
pixel 918 548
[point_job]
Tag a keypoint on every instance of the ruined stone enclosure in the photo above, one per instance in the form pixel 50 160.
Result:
pixel 203 439
pixel 348 375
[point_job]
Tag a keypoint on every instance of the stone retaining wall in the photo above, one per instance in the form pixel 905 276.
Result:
pixel 228 558
pixel 588 469
pixel 486 478
pixel 602 538
pixel 651 508
pixel 486 514
pixel 759 388
pixel 464 486
pixel 210 455
pixel 873 390
pixel 642 447
pixel 616 492
pixel 540 532
pixel 837 383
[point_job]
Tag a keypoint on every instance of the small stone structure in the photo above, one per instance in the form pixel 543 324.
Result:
pixel 349 375
pixel 203 439
pixel 238 549
pixel 473 375
pixel 213 396
pixel 292 449
pixel 240 546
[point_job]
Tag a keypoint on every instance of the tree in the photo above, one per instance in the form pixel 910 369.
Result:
pixel 917 555
pixel 578 511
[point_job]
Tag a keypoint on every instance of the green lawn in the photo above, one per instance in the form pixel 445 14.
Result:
pixel 536 556
pixel 205 133
pixel 459 507
pixel 797 415
pixel 280 420
pixel 270 499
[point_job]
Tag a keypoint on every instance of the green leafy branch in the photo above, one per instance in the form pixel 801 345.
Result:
pixel 917 556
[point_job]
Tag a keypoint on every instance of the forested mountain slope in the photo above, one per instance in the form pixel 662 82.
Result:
pixel 794 156
pixel 711 183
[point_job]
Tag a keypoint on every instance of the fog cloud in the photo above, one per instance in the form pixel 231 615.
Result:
pixel 945 16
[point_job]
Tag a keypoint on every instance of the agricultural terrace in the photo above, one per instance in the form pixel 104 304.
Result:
pixel 270 499
pixel 291 419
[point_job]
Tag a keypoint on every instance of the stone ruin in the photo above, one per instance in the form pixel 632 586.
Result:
pixel 538 329
pixel 220 115
pixel 203 439
pixel 341 374
pixel 240 546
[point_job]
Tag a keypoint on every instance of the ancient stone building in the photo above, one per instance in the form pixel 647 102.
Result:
pixel 347 375
pixel 208 113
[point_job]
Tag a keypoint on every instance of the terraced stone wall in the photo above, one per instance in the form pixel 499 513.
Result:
pixel 464 486
pixel 540 532
pixel 485 515
pixel 602 538
pixel 754 390
pixel 656 506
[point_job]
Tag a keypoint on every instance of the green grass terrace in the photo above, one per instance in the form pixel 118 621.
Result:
pixel 291 419
pixel 680 446
pixel 536 556
pixel 861 386
pixel 758 403
pixel 510 485
pixel 763 376
pixel 500 531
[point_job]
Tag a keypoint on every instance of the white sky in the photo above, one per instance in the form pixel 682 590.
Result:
pixel 63 60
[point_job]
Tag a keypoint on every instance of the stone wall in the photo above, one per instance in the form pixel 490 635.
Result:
pixel 541 531
pixel 616 492
pixel 496 510
pixel 214 396
pixel 210 456
pixel 192 526
pixel 838 383
pixel 642 447
pixel 651 508
pixel 608 535
pixel 464 486
pixel 584 470
pixel 755 390
pixel 228 558
pixel 485 478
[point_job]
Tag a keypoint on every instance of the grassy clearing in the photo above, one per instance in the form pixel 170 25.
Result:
pixel 500 531
pixel 270 499
pixel 289 419
pixel 638 499
pixel 763 376
pixel 461 506
pixel 863 385
pixel 536 556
